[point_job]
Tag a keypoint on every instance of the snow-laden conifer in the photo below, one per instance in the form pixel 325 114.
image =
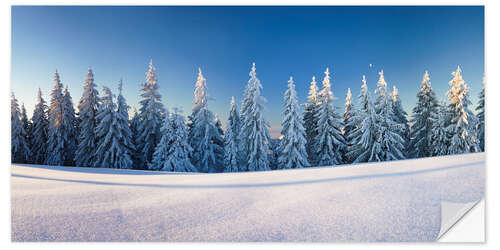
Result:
pixel 329 141
pixel 125 134
pixel 39 130
pixel 480 116
pixel 311 122
pixel 349 112
pixel 172 153
pixel 462 122
pixel 134 128
pixel 70 131
pixel 292 150
pixel 254 136
pixel 401 118
pixel 389 143
pixel 57 136
pixel 87 110
pixel 26 124
pixel 440 137
pixel 151 115
pixel 232 156
pixel 20 151
pixel 421 144
pixel 206 140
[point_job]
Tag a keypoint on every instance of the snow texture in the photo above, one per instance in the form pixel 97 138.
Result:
pixel 385 201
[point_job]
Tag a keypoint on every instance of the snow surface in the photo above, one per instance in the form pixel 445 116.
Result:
pixel 390 201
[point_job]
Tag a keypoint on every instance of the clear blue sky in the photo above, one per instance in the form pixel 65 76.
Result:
pixel 224 41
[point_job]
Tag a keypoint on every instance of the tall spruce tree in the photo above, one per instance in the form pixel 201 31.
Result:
pixel 57 139
pixel 151 116
pixel 462 122
pixel 123 129
pixel 39 130
pixel 206 140
pixel 329 141
pixel 87 111
pixel 389 143
pixel 20 151
pixel 134 127
pixel 69 123
pixel 232 156
pixel 440 136
pixel 254 136
pixel 292 150
pixel 422 144
pixel 349 113
pixel 311 122
pixel 401 118
pixel 26 125
pixel 480 116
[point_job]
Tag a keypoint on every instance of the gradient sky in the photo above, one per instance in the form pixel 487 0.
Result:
pixel 223 41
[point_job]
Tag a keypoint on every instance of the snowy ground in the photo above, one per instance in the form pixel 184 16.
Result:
pixel 393 201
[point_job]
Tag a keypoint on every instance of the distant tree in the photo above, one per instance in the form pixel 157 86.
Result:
pixel 311 122
pixel 440 136
pixel 134 130
pixel 126 139
pixel 480 115
pixel 348 127
pixel 26 125
pixel 400 117
pixel 20 151
pixel 292 150
pixel 232 156
pixel 39 130
pixel 69 123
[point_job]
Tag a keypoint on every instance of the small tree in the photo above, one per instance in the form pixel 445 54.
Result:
pixel 39 130
pixel 69 127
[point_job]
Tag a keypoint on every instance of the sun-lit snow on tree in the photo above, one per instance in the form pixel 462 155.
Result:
pixel 311 122
pixel 39 130
pixel 20 151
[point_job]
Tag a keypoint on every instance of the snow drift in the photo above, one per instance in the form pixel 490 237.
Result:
pixel 388 201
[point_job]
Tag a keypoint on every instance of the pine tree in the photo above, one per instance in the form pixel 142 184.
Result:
pixel 219 140
pixel 364 133
pixel 254 136
pixel 125 134
pixel 400 117
pixel 232 156
pixel 134 127
pixel 348 127
pixel 26 125
pixel 172 153
pixel 20 151
pixel 69 127
pixel 87 111
pixel 151 116
pixel 389 143
pixel 329 142
pixel 39 130
pixel 206 141
pixel 440 138
pixel 480 116
pixel 462 122
pixel 292 150
pixel 311 122
pixel 422 144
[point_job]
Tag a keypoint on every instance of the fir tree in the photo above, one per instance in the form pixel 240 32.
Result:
pixel 69 127
pixel 57 136
pixel 254 136
pixel 230 150
pixel 206 140
pixel 26 125
pixel 219 140
pixel 348 127
pixel 151 115
pixel 87 111
pixel 422 144
pixel 172 153
pixel 400 117
pixel 134 127
pixel 292 151
pixel 389 143
pixel 480 116
pixel 329 142
pixel 20 151
pixel 123 130
pixel 234 122
pixel 39 130
pixel 462 122
pixel 440 138
pixel 311 122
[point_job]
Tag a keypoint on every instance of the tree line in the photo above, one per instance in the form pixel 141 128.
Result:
pixel 101 134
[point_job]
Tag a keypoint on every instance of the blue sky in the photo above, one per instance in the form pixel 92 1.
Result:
pixel 223 41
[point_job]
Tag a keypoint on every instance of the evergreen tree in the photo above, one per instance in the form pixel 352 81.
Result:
pixel 172 153
pixel 462 122
pixel 151 115
pixel 422 144
pixel 348 127
pixel 134 130
pixel 364 133
pixel 219 140
pixel 20 151
pixel 234 123
pixel 230 150
pixel 389 143
pixel 311 122
pixel 293 144
pixel 440 138
pixel 87 111
pixel 125 133
pixel 254 136
pixel 206 140
pixel 480 116
pixel 69 127
pixel 400 117
pixel 26 125
pixel 329 142
pixel 39 130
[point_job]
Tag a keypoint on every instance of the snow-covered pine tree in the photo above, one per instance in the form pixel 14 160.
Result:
pixel 480 116
pixel 422 144
pixel 292 150
pixel 111 151
pixel 462 122
pixel 172 153
pixel 70 131
pixel 254 136
pixel 39 130
pixel 151 116
pixel 400 116
pixel 365 127
pixel 57 136
pixel 329 142
pixel 20 151
pixel 349 112
pixel 219 140
pixel 134 127
pixel 87 111
pixel 26 125
pixel 311 122
pixel 206 141
pixel 440 138
pixel 390 144
pixel 230 150
pixel 125 134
